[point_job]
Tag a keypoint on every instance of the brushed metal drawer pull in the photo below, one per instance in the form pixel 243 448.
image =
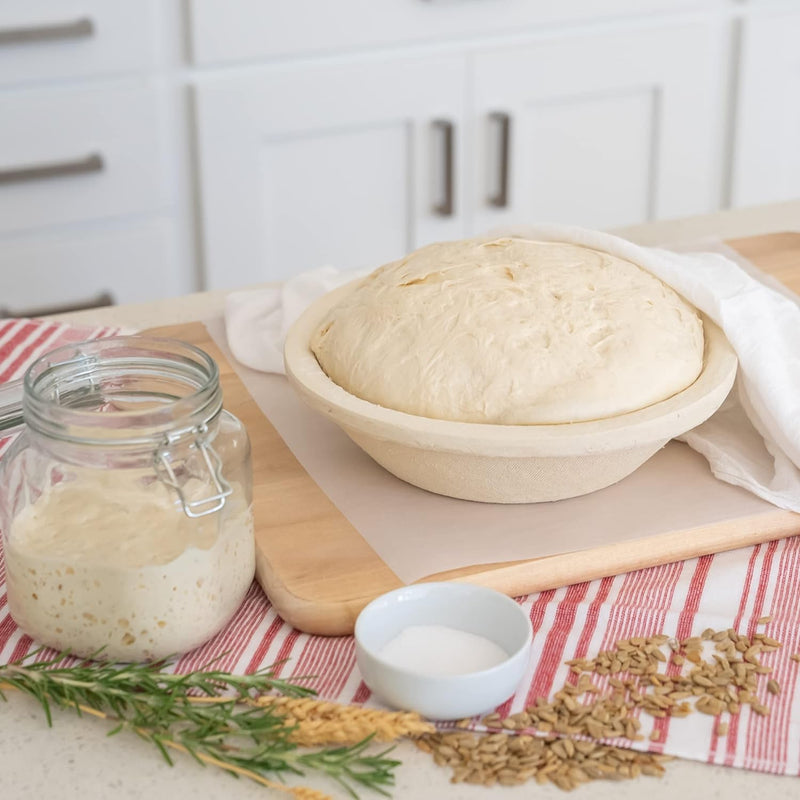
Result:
pixel 445 207
pixel 500 200
pixel 78 29
pixel 59 169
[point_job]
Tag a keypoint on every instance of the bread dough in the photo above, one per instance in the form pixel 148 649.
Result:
pixel 511 331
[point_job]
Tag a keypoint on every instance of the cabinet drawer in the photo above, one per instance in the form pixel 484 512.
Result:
pixel 239 30
pixel 74 155
pixel 134 264
pixel 44 40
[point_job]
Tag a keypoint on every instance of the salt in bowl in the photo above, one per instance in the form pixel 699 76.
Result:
pixel 459 607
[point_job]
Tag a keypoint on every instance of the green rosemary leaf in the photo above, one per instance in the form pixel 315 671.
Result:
pixel 348 765
pixel 203 714
pixel 157 741
pixel 33 689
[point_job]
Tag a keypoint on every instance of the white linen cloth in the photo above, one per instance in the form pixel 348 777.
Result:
pixel 753 441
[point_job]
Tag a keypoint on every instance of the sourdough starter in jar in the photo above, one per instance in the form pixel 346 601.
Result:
pixel 108 561
pixel 125 500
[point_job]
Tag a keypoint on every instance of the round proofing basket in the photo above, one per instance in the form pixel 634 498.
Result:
pixel 505 463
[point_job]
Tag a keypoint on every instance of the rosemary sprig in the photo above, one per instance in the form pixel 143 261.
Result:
pixel 176 712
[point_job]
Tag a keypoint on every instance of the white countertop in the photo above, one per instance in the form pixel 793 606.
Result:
pixel 76 761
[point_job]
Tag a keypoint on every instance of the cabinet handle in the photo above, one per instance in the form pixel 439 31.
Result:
pixel 78 29
pixel 503 120
pixel 59 169
pixel 445 208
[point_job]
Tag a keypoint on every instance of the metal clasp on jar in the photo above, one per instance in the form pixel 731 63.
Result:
pixel 198 507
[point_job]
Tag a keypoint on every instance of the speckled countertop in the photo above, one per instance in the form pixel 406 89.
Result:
pixel 75 760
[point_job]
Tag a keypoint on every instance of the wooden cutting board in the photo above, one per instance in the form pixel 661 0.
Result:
pixel 319 572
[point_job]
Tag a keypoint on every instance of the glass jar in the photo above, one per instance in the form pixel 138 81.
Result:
pixel 126 501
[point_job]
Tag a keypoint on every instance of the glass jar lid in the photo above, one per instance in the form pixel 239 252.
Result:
pixel 122 390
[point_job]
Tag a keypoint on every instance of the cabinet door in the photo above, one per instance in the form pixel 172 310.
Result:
pixel 767 148
pixel 603 129
pixel 346 164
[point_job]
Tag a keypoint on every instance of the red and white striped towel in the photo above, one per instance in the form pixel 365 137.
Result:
pixel 729 590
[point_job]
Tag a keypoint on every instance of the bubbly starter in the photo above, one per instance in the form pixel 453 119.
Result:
pixel 109 560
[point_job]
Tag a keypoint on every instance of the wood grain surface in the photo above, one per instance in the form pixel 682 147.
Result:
pixel 319 572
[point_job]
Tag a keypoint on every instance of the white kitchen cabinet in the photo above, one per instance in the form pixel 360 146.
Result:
pixel 92 202
pixel 346 164
pixel 349 133
pixel 602 129
pixel 766 164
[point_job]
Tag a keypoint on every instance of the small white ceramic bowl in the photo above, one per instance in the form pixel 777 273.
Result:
pixel 505 463
pixel 463 606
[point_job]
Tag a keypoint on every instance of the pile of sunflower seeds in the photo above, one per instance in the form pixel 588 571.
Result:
pixel 499 758
pixel 716 673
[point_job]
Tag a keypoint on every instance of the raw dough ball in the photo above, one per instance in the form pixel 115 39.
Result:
pixel 511 331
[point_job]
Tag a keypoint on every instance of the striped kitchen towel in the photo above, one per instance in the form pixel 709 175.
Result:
pixel 22 341
pixel 732 590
